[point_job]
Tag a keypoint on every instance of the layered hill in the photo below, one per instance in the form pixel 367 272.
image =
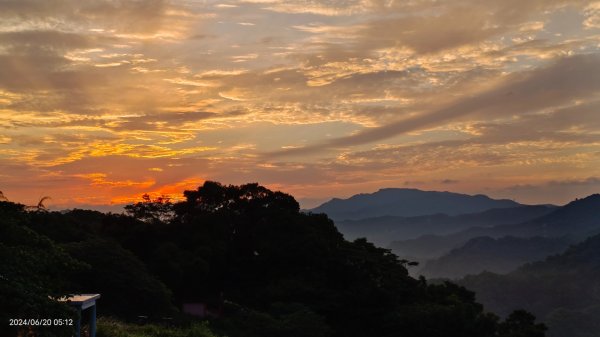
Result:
pixel 563 290
pixel 406 202
pixel 383 230
pixel 574 221
pixel 494 255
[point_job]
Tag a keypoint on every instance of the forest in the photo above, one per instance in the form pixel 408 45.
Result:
pixel 260 266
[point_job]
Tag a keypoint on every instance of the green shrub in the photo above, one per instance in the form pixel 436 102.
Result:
pixel 114 328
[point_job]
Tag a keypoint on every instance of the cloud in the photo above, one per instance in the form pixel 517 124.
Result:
pixel 368 93
pixel 317 7
pixel 581 182
pixel 428 27
pixel 43 39
pixel 433 33
pixel 565 190
pixel 562 82
pixel 449 181
pixel 128 16
pixel 592 16
pixel 161 121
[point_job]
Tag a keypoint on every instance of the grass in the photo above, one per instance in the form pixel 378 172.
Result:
pixel 113 328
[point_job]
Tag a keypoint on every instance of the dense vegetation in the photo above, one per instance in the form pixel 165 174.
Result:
pixel 114 328
pixel 261 266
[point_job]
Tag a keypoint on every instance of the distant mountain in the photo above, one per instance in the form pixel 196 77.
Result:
pixel 431 246
pixel 383 230
pixel 408 203
pixel 494 255
pixel 579 219
pixel 576 221
pixel 563 290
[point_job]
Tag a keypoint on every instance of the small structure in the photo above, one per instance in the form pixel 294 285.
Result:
pixel 82 302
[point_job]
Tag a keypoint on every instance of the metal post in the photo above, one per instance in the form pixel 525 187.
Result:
pixel 78 324
pixel 93 320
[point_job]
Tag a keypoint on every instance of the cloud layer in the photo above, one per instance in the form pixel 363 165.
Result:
pixel 101 101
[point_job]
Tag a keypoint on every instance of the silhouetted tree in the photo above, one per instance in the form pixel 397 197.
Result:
pixel 159 209
pixel 127 288
pixel 33 271
pixel 521 323
pixel 40 207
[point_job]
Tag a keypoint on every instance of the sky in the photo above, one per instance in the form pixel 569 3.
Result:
pixel 102 101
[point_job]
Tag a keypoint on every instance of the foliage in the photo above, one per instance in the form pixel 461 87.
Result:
pixel 33 271
pixel 151 210
pixel 574 323
pixel 213 197
pixel 520 323
pixel 126 287
pixel 113 328
pixel 283 319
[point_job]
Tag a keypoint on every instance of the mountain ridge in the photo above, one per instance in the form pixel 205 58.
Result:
pixel 408 202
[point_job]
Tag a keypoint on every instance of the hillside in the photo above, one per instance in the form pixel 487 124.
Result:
pixel 577 220
pixel 494 255
pixel 383 230
pixel 408 203
pixel 563 290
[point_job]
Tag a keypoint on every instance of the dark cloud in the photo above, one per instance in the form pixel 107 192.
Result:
pixel 36 60
pixel 449 181
pixel 427 34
